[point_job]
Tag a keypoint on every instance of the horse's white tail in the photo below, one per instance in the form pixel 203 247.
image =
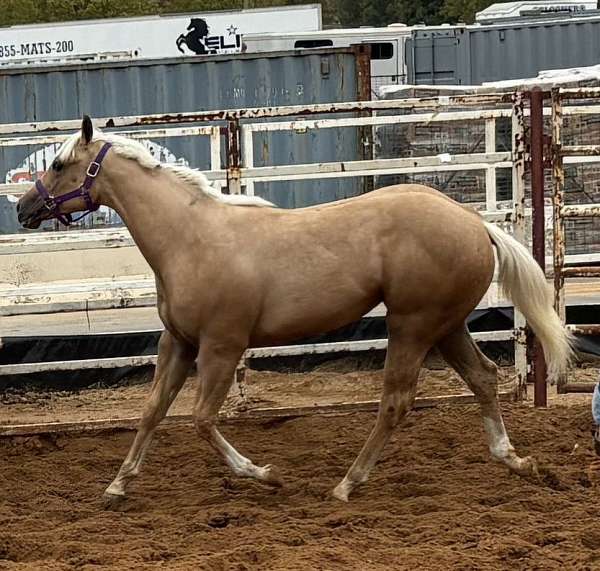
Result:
pixel 523 281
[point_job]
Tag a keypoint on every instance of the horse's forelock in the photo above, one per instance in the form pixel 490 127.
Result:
pixel 66 152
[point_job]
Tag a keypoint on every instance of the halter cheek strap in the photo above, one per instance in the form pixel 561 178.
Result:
pixel 53 203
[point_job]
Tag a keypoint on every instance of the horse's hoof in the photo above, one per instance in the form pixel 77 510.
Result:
pixel 526 467
pixel 112 501
pixel 272 476
pixel 341 492
pixel 533 467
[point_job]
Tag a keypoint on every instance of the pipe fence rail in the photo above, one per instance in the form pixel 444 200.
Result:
pixel 235 171
pixel 560 156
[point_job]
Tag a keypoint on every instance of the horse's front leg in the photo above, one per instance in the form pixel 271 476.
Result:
pixel 217 364
pixel 175 360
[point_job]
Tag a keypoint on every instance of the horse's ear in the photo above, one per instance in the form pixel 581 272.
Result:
pixel 87 129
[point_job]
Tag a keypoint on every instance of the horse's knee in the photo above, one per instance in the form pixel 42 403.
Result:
pixel 391 416
pixel 153 412
pixel 393 410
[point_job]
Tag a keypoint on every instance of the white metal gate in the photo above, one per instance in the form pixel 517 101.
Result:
pixel 237 171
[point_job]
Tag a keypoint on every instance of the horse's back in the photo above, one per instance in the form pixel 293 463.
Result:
pixel 394 193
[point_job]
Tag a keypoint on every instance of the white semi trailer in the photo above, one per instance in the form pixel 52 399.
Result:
pixel 387 47
pixel 150 37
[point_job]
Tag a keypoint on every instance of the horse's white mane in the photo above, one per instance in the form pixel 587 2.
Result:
pixel 132 149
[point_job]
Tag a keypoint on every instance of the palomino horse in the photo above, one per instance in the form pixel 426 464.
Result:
pixel 234 272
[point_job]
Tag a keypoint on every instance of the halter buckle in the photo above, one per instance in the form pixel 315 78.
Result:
pixel 93 169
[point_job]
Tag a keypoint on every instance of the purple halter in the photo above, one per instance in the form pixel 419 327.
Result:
pixel 53 203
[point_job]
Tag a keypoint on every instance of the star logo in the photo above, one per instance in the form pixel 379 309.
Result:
pixel 232 30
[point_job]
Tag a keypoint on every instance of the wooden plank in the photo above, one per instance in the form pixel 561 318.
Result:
pixel 262 352
pixel 130 319
pixel 578 388
pixel 113 299
pixel 85 295
pixel 12 244
pixel 101 322
pixel 76 365
pixel 130 423
pixel 87 286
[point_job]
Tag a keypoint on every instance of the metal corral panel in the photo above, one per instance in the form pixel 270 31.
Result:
pixel 196 84
pixel 472 55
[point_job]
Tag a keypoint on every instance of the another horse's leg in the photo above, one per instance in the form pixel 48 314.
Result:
pixel 217 365
pixel 402 364
pixel 174 363
pixel 480 374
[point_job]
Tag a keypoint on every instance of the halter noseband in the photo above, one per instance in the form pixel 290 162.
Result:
pixel 53 203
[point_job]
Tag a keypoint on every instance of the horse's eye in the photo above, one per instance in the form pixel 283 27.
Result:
pixel 57 165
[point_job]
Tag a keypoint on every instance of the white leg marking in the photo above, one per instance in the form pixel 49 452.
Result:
pixel 243 466
pixel 503 450
pixel 499 443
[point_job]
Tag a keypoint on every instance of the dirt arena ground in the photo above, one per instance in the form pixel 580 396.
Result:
pixel 435 501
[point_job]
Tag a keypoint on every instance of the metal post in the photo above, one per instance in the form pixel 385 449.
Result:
pixel 518 227
pixel 558 221
pixel 215 153
pixel 234 183
pixel 234 186
pixel 362 54
pixel 248 155
pixel 491 198
pixel 538 216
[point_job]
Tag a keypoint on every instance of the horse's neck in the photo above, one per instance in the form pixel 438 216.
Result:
pixel 155 207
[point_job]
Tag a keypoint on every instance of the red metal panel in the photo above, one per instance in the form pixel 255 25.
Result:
pixel 537 199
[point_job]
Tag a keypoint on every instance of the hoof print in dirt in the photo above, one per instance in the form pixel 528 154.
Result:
pixel 550 479
pixel 114 502
pixel 218 521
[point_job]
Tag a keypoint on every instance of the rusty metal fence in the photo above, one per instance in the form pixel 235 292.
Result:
pixel 568 103
pixel 236 172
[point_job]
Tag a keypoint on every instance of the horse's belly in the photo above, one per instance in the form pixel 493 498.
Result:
pixel 294 321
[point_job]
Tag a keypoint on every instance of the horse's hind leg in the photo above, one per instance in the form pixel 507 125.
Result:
pixel 480 374
pixel 217 365
pixel 174 363
pixel 402 364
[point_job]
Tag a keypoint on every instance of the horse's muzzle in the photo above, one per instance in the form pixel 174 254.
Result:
pixel 31 210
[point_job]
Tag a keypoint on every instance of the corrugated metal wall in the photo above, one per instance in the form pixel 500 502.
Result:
pixel 431 57
pixel 194 84
pixel 472 55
